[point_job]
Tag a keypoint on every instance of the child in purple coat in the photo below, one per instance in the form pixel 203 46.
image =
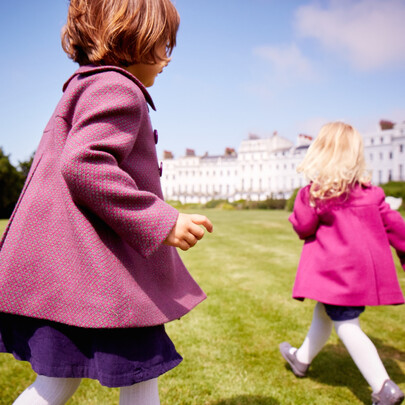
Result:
pixel 346 262
pixel 89 271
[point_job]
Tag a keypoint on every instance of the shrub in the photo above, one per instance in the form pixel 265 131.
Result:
pixel 215 203
pixel 289 206
pixel 395 189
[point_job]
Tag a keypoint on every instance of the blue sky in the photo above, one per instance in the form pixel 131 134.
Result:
pixel 240 67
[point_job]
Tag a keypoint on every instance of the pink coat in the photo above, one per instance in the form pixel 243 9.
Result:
pixel 346 258
pixel 84 244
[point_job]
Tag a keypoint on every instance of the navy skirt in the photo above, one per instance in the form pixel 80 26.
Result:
pixel 343 313
pixel 114 357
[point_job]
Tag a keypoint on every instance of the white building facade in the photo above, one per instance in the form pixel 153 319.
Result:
pixel 266 167
pixel 385 153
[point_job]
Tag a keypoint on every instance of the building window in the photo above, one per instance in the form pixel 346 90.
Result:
pixel 371 157
pixel 390 155
pixel 401 148
pixel 381 156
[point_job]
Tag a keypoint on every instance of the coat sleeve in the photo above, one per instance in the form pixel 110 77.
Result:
pixel 104 128
pixel 394 226
pixel 304 218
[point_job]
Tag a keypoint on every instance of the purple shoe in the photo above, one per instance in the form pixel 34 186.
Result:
pixel 390 394
pixel 298 368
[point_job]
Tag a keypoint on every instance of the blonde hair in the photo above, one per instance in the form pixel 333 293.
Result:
pixel 335 162
pixel 119 32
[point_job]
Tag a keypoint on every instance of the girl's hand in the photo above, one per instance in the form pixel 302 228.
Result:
pixel 187 232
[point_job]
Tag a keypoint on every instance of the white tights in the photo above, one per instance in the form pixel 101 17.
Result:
pixel 57 391
pixel 359 346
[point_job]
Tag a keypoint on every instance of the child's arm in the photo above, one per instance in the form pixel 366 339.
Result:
pixel 304 218
pixel 394 226
pixel 187 232
pixel 105 127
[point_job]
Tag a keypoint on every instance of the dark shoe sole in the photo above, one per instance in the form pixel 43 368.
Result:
pixel 299 369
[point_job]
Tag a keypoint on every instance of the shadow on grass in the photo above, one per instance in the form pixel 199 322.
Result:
pixel 334 366
pixel 248 400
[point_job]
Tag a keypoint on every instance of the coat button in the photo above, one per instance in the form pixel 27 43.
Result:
pixel 155 134
pixel 161 169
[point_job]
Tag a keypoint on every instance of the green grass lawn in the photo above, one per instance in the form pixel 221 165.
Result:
pixel 230 341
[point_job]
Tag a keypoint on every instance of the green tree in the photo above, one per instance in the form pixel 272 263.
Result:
pixel 11 183
pixel 24 167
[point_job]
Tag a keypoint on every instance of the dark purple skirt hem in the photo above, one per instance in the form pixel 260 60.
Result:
pixel 114 357
pixel 110 381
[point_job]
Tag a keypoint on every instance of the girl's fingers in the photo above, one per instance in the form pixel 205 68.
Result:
pixel 196 231
pixel 202 220
pixel 183 245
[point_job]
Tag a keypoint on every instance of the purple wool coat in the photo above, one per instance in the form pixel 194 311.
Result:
pixel 346 258
pixel 84 244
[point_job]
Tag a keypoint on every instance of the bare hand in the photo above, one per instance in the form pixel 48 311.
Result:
pixel 187 232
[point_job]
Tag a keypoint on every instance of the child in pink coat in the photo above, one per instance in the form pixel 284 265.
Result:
pixel 89 271
pixel 346 262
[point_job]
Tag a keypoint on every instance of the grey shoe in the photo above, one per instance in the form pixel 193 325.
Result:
pixel 298 368
pixel 390 394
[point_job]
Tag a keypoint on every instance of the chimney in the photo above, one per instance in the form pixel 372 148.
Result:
pixel 385 124
pixel 230 152
pixel 167 154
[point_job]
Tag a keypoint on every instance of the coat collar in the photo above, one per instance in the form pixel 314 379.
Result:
pixel 91 69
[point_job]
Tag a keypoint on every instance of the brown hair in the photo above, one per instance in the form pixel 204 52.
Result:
pixel 119 32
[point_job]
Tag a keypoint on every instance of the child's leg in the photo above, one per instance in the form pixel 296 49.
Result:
pixel 363 352
pixel 48 391
pixel 318 334
pixel 143 393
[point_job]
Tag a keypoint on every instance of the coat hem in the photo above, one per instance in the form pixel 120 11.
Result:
pixel 352 302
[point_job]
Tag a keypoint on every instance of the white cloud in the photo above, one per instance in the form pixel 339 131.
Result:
pixel 287 61
pixel 369 33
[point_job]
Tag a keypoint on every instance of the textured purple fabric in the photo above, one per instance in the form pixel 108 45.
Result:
pixel 115 357
pixel 343 313
pixel 84 244
pixel 346 258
